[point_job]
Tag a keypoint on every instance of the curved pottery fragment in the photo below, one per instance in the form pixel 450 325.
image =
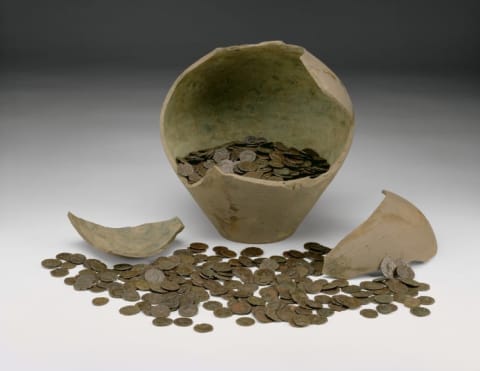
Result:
pixel 396 228
pixel 134 242
pixel 272 90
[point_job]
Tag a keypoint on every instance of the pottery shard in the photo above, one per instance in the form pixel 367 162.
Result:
pixel 135 242
pixel 396 228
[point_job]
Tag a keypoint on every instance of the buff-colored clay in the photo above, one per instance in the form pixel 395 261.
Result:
pixel 396 229
pixel 272 89
pixel 135 242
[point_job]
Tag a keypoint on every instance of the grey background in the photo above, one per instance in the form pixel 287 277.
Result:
pixel 431 36
pixel 81 86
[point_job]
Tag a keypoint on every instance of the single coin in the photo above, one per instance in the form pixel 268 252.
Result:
pixel 247 155
pixel 188 310
pixel 387 267
pixel 154 275
pixel 426 300
pixel 183 322
pixel 240 307
pixel 245 321
pixel 252 252
pixel 70 281
pixel 411 302
pixel 68 265
pixel 162 321
pixel 51 263
pixel 404 271
pixel 383 299
pixel 222 312
pixel 198 246
pixel 420 311
pixel 369 313
pixel 122 267
pixel 160 310
pixel 386 308
pixel 100 301
pixel 371 285
pixel 63 256
pixel 212 305
pixel 59 272
pixel 129 310
pixel 203 328
pixel 77 258
pixel 423 286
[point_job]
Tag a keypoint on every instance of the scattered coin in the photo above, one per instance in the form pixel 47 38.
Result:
pixel 129 310
pixel 420 311
pixel 251 252
pixel 183 322
pixel 387 266
pixel 203 327
pixel 426 300
pixel 162 321
pixel 404 271
pixel 100 301
pixel 369 313
pixel 279 288
pixel 59 272
pixel 386 308
pixel 51 263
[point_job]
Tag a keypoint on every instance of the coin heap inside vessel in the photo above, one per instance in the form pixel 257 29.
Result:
pixel 254 157
pixel 280 288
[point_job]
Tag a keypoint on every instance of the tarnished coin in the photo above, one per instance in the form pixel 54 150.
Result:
pixel 386 308
pixel 203 327
pixel 183 322
pixel 162 321
pixel 252 252
pixel 263 276
pixel 369 313
pixel 387 266
pixel 100 301
pixel 212 305
pixel 383 299
pixel 70 281
pixel 122 267
pixel 199 246
pixel 420 311
pixel 63 256
pixel 222 312
pixel 59 272
pixel 426 300
pixel 185 169
pixel 245 321
pixel 404 271
pixel 269 264
pixel 411 302
pixel 240 307
pixel 189 310
pixel 160 310
pixel 371 285
pixel 51 263
pixel 129 310
pixel 77 258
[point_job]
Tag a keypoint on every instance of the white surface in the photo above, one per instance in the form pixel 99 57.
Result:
pixel 92 146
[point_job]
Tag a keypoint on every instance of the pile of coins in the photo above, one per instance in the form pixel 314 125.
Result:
pixel 280 288
pixel 254 157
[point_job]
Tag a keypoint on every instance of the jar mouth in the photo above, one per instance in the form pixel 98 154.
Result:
pixel 266 90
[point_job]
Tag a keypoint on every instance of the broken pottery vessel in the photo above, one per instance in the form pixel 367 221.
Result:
pixel 273 90
pixel 396 229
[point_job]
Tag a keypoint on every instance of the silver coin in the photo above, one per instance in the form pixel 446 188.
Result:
pixel 185 169
pixel 388 266
pixel 220 155
pixel 226 166
pixel 247 155
pixel 154 275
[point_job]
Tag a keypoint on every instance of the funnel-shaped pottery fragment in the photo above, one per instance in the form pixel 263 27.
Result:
pixel 396 229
